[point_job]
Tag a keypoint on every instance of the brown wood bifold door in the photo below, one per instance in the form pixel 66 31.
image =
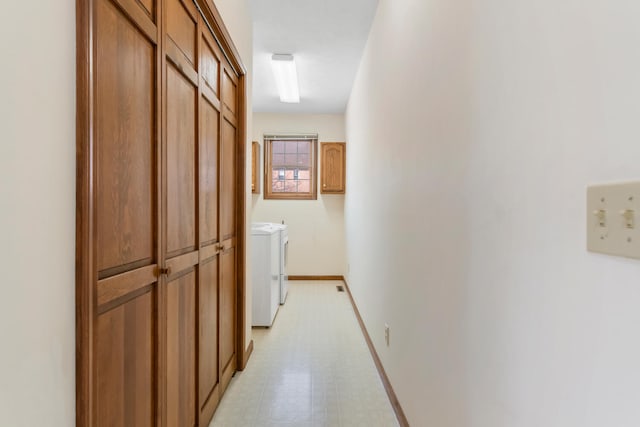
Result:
pixel 209 280
pixel 180 199
pixel 126 219
pixel 228 227
pixel 160 190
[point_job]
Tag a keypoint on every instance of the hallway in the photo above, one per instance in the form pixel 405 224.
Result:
pixel 470 168
pixel 312 368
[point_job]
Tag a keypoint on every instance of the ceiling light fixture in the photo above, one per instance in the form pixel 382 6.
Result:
pixel 284 70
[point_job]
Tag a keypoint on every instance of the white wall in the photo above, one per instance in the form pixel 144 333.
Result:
pixel 37 214
pixel 316 227
pixel 37 207
pixel 489 119
pixel 237 18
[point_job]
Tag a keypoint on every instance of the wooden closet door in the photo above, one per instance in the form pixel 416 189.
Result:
pixel 126 121
pixel 159 190
pixel 229 191
pixel 209 290
pixel 181 190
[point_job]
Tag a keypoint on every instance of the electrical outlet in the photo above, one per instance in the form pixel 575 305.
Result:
pixel 386 334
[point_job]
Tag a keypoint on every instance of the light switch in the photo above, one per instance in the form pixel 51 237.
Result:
pixel 629 218
pixel 601 214
pixel 611 219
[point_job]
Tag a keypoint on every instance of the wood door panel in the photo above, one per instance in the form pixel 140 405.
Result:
pixel 142 18
pixel 228 307
pixel 178 264
pixel 175 55
pixel 181 351
pixel 125 364
pixel 208 352
pixel 206 414
pixel 207 252
pixel 124 284
pixel 181 168
pixel 209 131
pixel 125 141
pixel 149 5
pixel 228 188
pixel 209 65
pixel 182 29
pixel 229 92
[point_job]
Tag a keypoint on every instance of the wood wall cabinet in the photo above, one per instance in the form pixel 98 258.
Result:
pixel 160 236
pixel 333 167
pixel 255 167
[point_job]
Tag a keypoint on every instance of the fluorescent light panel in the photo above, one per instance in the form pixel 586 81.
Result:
pixel 284 70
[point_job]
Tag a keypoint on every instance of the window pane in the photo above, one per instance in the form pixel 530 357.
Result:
pixel 291 147
pixel 304 147
pixel 277 186
pixel 303 159
pixel 278 147
pixel 291 186
pixel 304 186
pixel 304 174
pixel 291 159
pixel 288 174
pixel 278 160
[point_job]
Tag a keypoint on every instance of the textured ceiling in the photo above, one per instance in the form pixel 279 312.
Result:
pixel 327 38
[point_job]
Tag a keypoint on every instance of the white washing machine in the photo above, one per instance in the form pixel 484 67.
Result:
pixel 265 260
pixel 284 255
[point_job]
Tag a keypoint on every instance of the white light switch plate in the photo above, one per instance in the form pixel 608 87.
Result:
pixel 613 219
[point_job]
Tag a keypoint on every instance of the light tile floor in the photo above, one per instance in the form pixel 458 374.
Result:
pixel 311 369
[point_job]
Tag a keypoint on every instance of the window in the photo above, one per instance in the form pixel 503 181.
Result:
pixel 290 167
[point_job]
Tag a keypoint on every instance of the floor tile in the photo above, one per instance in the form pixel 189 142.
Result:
pixel 311 369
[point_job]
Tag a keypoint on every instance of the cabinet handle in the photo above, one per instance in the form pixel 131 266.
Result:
pixel 165 271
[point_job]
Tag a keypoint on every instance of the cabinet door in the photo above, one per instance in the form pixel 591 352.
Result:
pixel 333 167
